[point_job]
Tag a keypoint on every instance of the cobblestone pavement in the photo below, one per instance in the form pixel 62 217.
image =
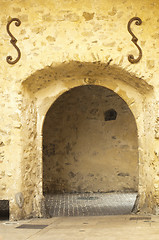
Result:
pixel 89 204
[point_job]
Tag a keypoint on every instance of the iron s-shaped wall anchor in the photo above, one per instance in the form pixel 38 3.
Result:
pixel 13 41
pixel 134 40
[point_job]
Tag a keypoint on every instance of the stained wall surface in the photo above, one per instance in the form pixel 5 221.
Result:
pixel 84 150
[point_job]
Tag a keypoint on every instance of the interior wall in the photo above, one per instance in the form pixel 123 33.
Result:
pixel 85 151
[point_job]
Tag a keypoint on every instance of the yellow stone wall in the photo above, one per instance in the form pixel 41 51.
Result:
pixel 65 44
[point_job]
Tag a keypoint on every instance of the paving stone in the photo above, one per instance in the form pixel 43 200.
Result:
pixel 89 204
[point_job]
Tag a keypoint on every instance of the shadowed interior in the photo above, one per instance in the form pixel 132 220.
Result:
pixel 90 143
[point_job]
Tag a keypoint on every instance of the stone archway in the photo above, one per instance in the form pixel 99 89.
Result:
pixel 44 87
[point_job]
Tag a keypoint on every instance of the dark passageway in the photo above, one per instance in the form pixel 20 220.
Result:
pixel 90 147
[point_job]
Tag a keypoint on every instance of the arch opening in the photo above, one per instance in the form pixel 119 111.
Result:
pixel 90 146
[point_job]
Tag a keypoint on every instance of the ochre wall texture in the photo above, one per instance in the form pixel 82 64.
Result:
pixel 83 151
pixel 67 44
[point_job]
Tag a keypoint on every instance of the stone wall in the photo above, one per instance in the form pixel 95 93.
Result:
pixel 66 44
pixel 86 147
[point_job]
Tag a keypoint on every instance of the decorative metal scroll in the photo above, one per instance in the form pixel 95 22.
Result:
pixel 13 41
pixel 134 40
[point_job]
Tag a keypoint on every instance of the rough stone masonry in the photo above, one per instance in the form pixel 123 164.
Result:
pixel 66 46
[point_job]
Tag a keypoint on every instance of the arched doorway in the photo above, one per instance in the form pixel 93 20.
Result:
pixel 89 144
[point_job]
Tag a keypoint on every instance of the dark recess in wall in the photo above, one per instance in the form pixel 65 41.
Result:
pixel 4 210
pixel 109 115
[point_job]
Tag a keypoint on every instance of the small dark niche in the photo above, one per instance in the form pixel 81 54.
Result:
pixel 4 210
pixel 110 115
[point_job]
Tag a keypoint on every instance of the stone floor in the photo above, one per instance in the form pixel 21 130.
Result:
pixel 89 204
pixel 121 227
pixel 66 224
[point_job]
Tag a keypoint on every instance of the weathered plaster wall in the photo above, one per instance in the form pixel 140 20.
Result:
pixel 82 152
pixel 65 44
